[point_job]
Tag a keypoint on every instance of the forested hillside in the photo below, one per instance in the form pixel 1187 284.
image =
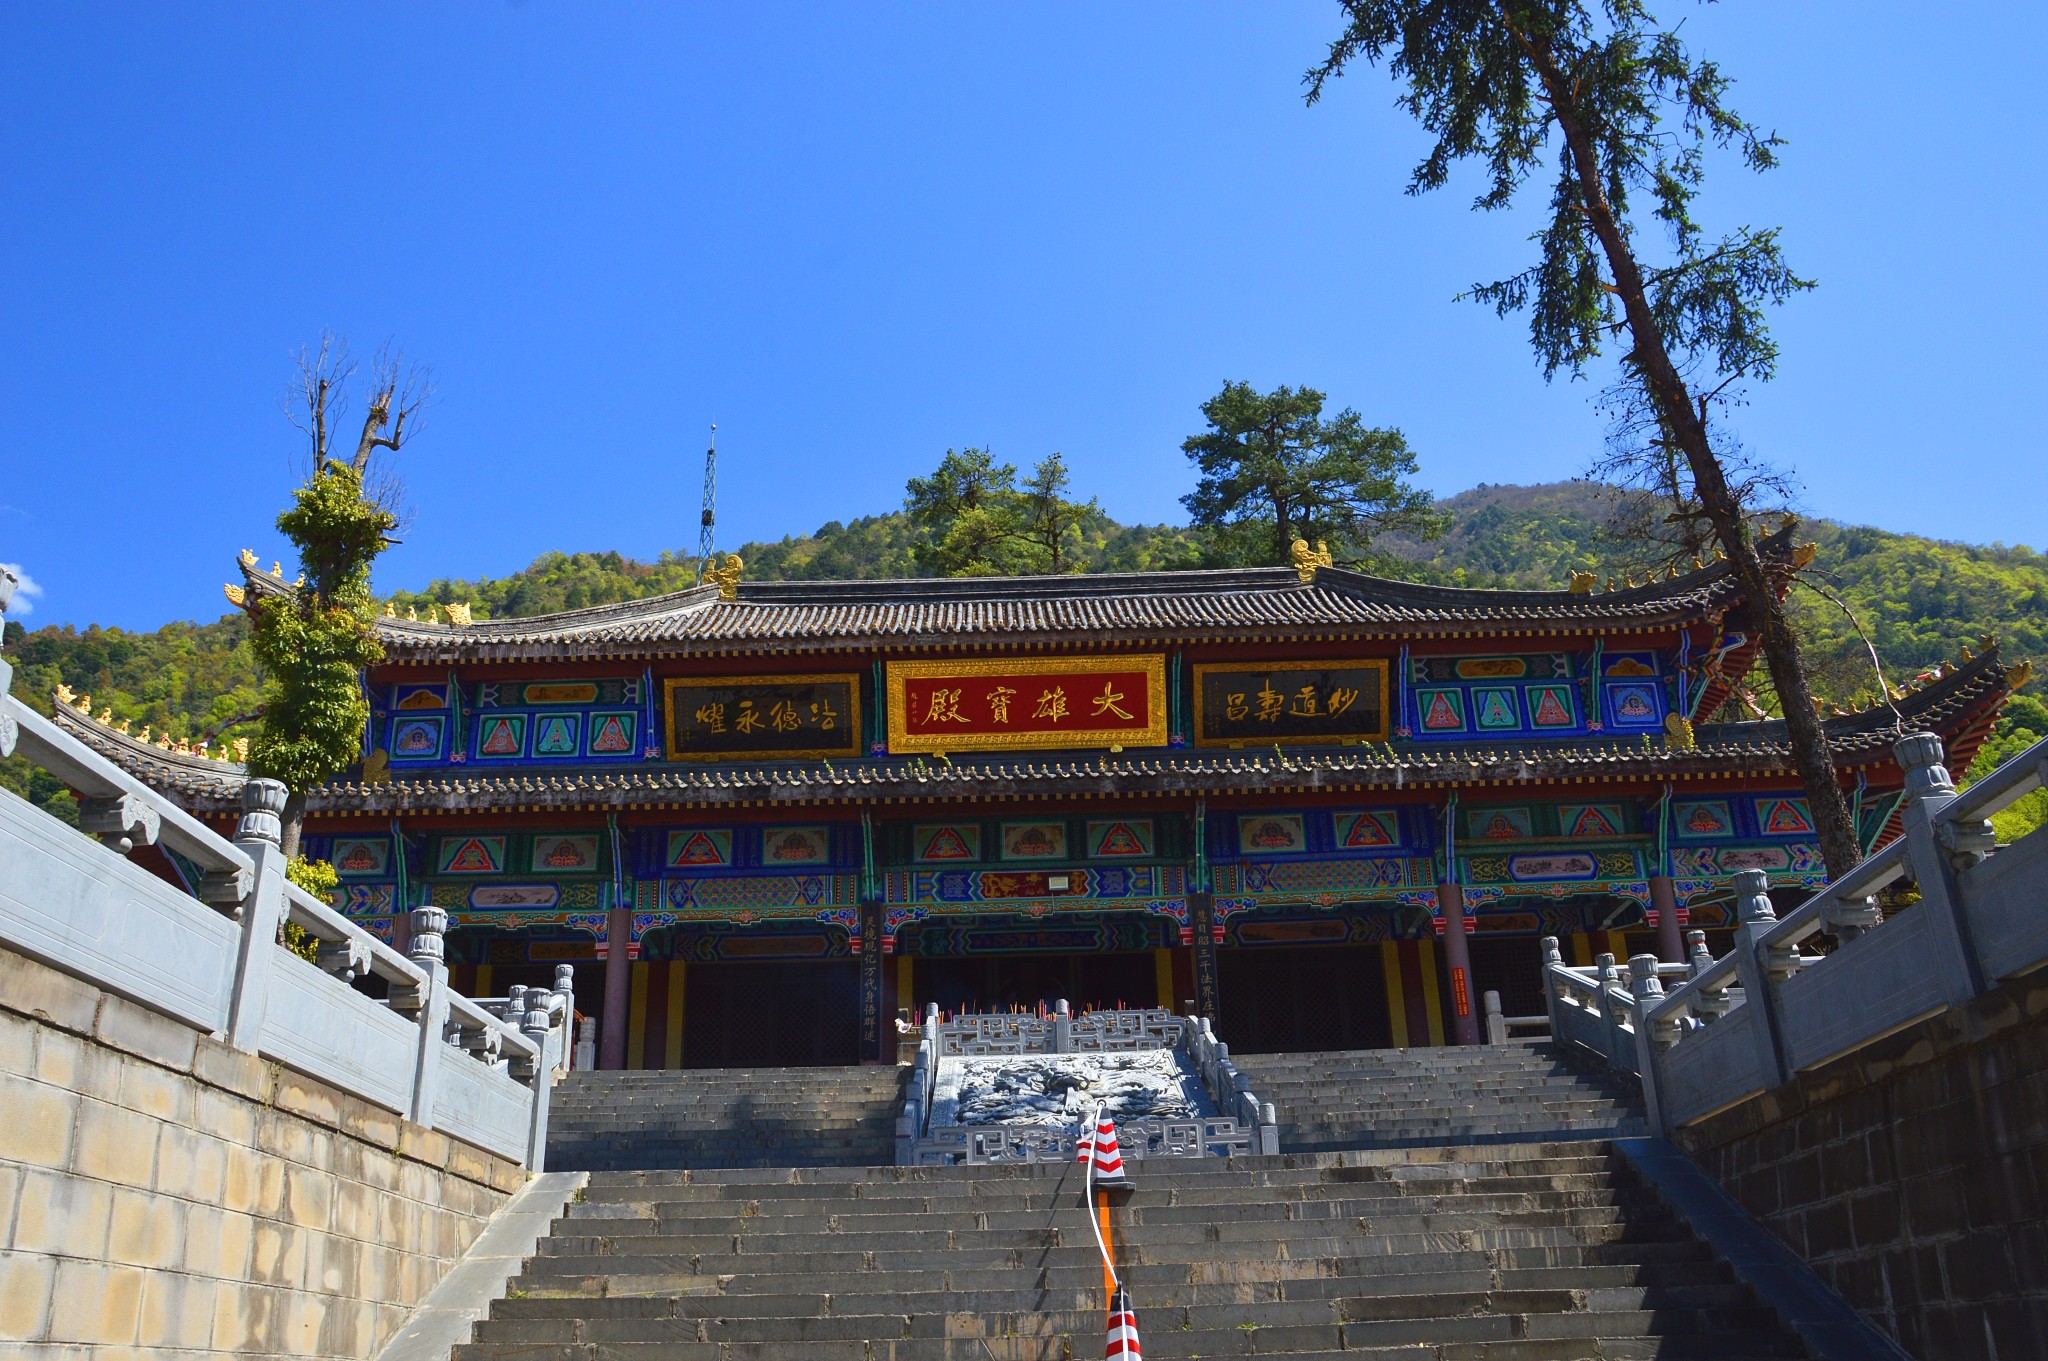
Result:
pixel 1918 599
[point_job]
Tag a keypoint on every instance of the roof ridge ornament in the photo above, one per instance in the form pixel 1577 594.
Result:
pixel 728 575
pixel 1307 559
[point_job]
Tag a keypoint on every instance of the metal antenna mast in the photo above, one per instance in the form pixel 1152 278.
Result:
pixel 710 507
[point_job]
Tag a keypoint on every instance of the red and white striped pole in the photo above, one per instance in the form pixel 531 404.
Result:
pixel 1105 1163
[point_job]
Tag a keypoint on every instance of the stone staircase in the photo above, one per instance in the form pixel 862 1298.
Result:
pixel 1418 1098
pixel 1502 1253
pixel 725 1117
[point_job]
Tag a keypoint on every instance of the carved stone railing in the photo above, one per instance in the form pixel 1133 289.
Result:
pixel 1733 1027
pixel 1246 1126
pixel 477 1070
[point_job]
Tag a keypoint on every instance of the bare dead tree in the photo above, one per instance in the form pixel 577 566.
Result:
pixel 316 401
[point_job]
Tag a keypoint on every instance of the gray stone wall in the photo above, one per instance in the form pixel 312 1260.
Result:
pixel 1913 1175
pixel 162 1194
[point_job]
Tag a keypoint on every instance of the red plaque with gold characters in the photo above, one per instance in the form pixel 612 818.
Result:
pixel 1036 702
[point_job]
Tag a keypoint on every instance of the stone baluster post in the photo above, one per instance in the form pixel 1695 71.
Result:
pixel 1935 850
pixel 259 836
pixel 1062 1027
pixel 1707 1007
pixel 562 1007
pixel 1651 1039
pixel 1553 960
pixel 1755 965
pixel 1605 977
pixel 429 927
pixel 1496 1023
pixel 538 1025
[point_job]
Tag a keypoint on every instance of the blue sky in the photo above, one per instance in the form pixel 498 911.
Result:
pixel 856 236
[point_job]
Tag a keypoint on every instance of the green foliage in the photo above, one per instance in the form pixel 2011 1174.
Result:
pixel 2024 722
pixel 187 680
pixel 314 643
pixel 1508 84
pixel 1273 471
pixel 966 516
pixel 318 878
pixel 973 520
pixel 1920 599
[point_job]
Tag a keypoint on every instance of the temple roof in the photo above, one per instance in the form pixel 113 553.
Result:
pixel 1959 706
pixel 1107 608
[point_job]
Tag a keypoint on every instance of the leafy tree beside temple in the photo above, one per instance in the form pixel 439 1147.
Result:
pixel 1273 471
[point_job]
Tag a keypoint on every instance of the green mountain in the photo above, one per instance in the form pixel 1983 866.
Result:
pixel 1918 600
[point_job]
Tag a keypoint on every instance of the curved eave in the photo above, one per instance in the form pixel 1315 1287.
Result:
pixel 1959 707
pixel 190 779
pixel 1038 613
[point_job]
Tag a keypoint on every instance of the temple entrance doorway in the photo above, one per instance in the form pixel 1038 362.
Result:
pixel 1089 982
pixel 772 1014
pixel 1511 966
pixel 1275 999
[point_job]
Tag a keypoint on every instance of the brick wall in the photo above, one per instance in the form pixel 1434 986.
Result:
pixel 1913 1175
pixel 164 1195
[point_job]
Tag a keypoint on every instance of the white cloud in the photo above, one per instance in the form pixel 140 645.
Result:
pixel 25 593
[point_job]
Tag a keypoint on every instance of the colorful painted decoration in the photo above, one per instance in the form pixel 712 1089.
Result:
pixel 1496 708
pixel 367 856
pixel 1591 819
pixel 1764 858
pixel 1368 830
pixel 689 849
pixel 947 841
pixel 612 734
pixel 1528 868
pixel 1271 834
pixel 795 846
pixel 1500 824
pixel 416 738
pixel 502 736
pixel 1630 666
pixel 422 697
pixel 565 854
pixel 1034 841
pixel 1705 817
pixel 555 735
pixel 1491 668
pixel 1634 704
pixel 1107 840
pixel 472 855
pixel 1783 817
pixel 1442 710
pixel 560 692
pixel 514 895
pixel 1550 706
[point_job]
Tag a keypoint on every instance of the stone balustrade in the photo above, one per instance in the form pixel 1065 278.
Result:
pixel 212 959
pixel 1245 1125
pixel 1708 1033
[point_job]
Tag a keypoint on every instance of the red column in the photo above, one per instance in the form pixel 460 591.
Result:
pixel 618 988
pixel 1458 966
pixel 1670 939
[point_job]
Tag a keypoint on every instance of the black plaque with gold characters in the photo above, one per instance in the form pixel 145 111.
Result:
pixel 727 718
pixel 1291 702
